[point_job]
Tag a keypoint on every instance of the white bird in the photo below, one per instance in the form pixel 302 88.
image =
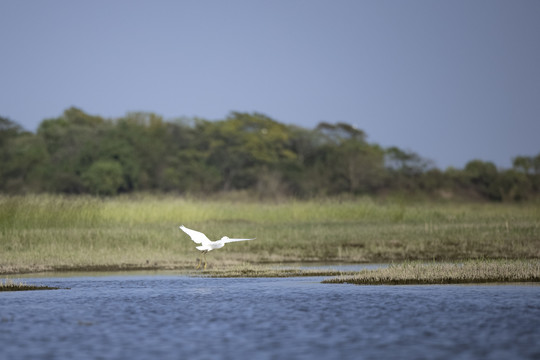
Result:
pixel 206 244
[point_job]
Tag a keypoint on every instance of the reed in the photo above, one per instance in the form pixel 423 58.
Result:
pixel 472 271
pixel 46 232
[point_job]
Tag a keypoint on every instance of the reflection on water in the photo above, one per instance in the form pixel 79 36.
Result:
pixel 177 317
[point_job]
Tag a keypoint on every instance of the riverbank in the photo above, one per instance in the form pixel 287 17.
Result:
pixel 408 273
pixel 41 233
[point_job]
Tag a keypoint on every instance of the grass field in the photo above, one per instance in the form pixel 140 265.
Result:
pixel 42 232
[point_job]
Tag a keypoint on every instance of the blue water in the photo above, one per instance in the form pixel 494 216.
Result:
pixel 179 317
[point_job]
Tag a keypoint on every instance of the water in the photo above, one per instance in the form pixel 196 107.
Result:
pixel 178 317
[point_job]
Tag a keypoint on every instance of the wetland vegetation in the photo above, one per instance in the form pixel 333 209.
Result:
pixel 467 272
pixel 140 232
pixel 308 195
pixel 13 285
pixel 249 270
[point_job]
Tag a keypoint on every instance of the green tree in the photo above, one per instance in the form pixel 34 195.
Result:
pixel 8 130
pixel 407 170
pixel 482 175
pixel 188 171
pixel 23 158
pixel 121 151
pixel 72 141
pixel 406 163
pixel 536 164
pixel 513 185
pixel 77 152
pixel 148 138
pixel 523 163
pixel 297 175
pixel 242 145
pixel 339 133
pixel 345 162
pixel 104 177
pixel 362 166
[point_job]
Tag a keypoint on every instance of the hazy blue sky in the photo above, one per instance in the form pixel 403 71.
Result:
pixel 451 80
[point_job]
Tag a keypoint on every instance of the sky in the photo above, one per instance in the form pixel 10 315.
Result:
pixel 452 81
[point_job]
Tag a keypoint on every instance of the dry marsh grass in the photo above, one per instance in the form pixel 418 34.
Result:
pixel 12 285
pixel 475 271
pixel 250 270
pixel 45 232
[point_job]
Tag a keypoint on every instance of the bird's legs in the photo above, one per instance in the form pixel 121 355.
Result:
pixel 200 260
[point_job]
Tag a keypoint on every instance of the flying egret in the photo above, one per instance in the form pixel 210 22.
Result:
pixel 206 244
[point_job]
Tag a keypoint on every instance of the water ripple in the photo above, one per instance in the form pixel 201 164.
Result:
pixel 175 317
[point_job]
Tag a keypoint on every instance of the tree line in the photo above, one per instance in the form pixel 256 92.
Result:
pixel 78 153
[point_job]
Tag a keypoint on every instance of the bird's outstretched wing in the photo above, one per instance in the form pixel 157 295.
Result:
pixel 196 236
pixel 228 240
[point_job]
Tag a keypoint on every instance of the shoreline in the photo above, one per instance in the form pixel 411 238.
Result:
pixel 405 273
